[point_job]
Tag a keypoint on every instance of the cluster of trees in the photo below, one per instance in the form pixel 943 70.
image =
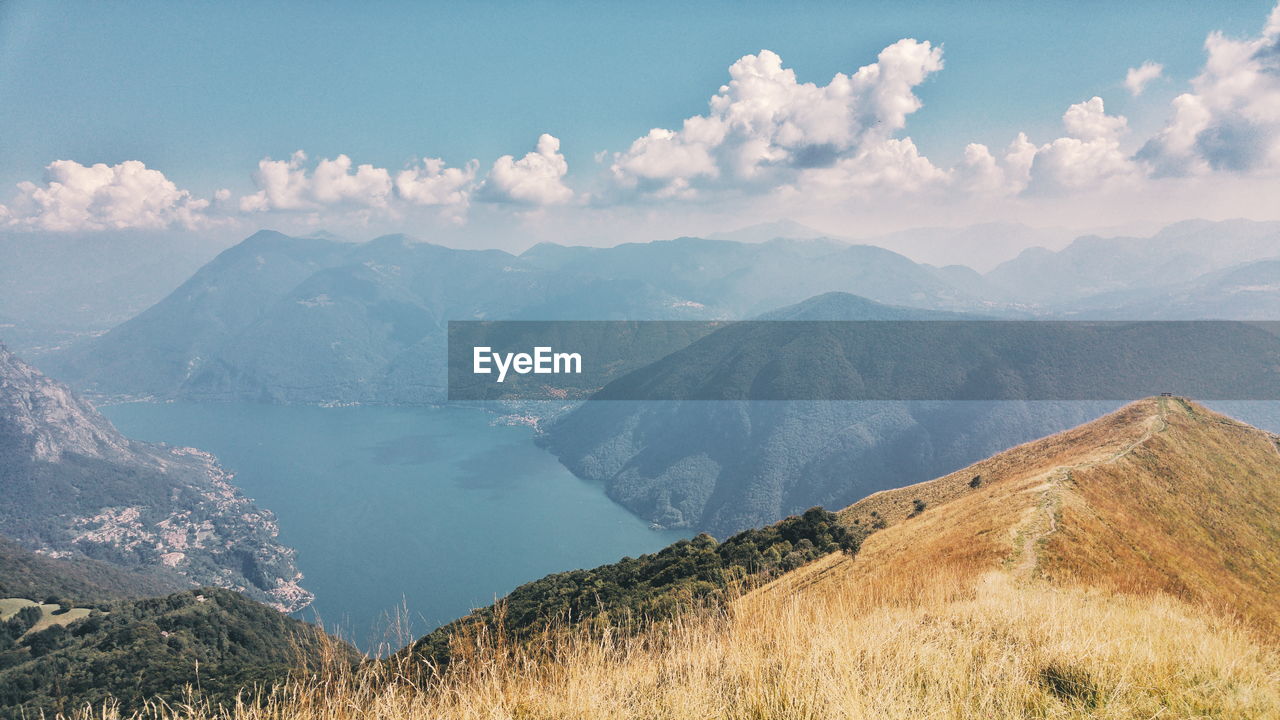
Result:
pixel 141 650
pixel 75 580
pixel 654 586
pixel 15 627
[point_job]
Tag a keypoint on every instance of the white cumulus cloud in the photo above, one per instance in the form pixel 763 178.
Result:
pixel 1089 121
pixel 535 179
pixel 102 197
pixel 891 167
pixel 1137 79
pixel 288 185
pixel 981 173
pixel 432 182
pixel 764 129
pixel 1231 118
pixel 1089 157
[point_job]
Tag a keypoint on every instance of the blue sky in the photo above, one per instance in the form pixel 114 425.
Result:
pixel 202 91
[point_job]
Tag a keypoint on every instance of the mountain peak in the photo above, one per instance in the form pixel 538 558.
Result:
pixel 1162 495
pixel 44 420
pixel 265 236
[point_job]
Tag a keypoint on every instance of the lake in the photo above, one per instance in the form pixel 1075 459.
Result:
pixel 431 509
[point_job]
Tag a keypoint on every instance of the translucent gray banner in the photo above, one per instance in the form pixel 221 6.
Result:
pixel 863 360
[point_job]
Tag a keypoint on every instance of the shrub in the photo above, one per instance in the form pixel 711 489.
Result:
pixel 1070 683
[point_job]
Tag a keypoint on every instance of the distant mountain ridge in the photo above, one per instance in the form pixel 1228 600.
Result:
pixel 1246 291
pixel 981 247
pixel 1095 266
pixel 74 486
pixel 285 319
pixel 312 320
pixel 57 287
pixel 760 232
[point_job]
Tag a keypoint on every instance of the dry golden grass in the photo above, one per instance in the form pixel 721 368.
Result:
pixel 1161 496
pixel 998 648
pixel 1194 511
pixel 1124 569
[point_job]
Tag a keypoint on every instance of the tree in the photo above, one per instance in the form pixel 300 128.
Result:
pixel 45 641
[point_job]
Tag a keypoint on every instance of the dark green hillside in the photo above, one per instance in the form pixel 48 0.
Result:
pixel 813 412
pixel 652 586
pixel 725 466
pixel 82 581
pixel 148 649
pixel 963 360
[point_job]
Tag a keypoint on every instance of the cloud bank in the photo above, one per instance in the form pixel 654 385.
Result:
pixel 288 185
pixel 765 140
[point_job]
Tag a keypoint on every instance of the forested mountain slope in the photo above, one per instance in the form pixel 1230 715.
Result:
pixel 74 486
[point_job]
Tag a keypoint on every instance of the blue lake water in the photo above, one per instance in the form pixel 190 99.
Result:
pixel 432 509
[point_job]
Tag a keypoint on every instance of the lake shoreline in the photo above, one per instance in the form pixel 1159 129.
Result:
pixel 470 507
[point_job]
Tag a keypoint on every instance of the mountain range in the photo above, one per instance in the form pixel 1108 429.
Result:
pixel 310 320
pixel 1124 272
pixel 729 465
pixel 980 247
pixel 315 320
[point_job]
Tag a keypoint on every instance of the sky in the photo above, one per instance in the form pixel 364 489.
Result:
pixel 504 124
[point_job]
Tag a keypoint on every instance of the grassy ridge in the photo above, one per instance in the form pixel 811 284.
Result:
pixel 1193 511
